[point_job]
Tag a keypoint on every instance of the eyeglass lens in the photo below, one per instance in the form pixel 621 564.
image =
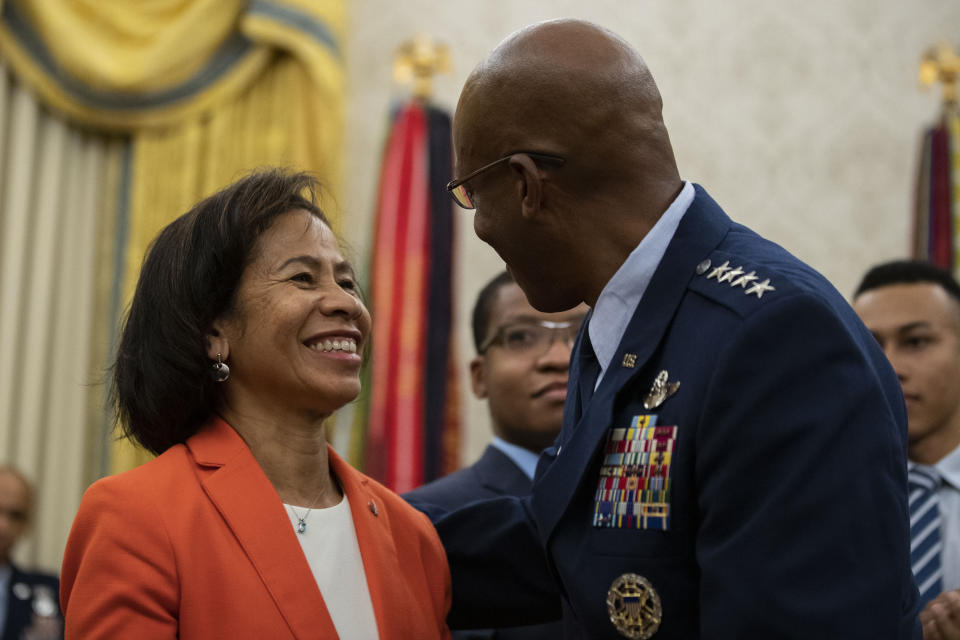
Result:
pixel 529 336
pixel 461 196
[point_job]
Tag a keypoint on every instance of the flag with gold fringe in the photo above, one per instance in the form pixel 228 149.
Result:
pixel 936 229
pixel 409 414
pixel 936 221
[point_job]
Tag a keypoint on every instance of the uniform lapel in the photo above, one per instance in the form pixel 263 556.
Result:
pixel 573 407
pixel 700 231
pixel 252 509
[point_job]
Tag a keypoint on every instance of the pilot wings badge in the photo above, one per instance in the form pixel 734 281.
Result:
pixel 661 390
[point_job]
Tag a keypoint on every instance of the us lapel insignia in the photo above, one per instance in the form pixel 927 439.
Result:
pixel 629 360
pixel 661 390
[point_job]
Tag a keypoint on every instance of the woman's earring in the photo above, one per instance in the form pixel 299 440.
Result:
pixel 220 370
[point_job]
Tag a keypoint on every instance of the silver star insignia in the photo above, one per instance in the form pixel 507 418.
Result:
pixel 744 280
pixel 719 271
pixel 730 275
pixel 760 287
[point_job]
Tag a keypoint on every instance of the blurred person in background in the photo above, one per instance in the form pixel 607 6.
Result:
pixel 244 335
pixel 28 600
pixel 913 310
pixel 521 368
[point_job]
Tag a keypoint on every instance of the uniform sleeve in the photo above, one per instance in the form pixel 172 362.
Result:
pixel 500 573
pixel 438 573
pixel 119 577
pixel 802 485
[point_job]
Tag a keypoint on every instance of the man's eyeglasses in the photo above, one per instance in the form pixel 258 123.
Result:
pixel 532 336
pixel 458 187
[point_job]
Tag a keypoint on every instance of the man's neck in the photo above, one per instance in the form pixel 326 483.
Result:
pixel 935 446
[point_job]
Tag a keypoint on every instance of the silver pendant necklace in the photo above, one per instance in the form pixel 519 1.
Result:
pixel 301 520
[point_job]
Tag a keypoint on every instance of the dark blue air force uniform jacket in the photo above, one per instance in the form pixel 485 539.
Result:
pixel 787 478
pixel 492 476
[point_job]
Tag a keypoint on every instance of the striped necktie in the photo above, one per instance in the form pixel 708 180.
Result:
pixel 925 544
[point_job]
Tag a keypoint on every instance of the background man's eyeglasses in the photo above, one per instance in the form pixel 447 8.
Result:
pixel 532 336
pixel 458 187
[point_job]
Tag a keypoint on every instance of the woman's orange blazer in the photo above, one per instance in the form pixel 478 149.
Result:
pixel 197 544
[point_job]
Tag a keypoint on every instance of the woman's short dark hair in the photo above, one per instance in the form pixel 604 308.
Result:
pixel 162 389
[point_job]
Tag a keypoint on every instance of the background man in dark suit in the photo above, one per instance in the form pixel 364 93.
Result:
pixel 913 310
pixel 521 367
pixel 29 602
pixel 732 462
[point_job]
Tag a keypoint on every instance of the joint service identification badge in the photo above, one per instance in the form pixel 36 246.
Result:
pixel 634 607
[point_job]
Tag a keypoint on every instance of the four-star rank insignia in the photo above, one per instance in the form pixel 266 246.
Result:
pixel 634 607
pixel 736 277
pixel 661 390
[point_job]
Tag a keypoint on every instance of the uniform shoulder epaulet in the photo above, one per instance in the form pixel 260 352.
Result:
pixel 736 284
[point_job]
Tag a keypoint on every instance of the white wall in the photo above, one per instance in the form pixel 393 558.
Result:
pixel 800 118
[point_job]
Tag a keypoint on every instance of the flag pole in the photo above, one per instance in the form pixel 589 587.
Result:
pixel 417 61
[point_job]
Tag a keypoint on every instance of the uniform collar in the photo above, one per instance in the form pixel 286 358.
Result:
pixel 701 230
pixel 621 295
pixel 948 468
pixel 523 458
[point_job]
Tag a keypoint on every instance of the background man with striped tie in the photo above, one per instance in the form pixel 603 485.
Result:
pixel 913 309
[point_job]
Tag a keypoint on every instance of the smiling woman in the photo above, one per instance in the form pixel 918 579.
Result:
pixel 245 333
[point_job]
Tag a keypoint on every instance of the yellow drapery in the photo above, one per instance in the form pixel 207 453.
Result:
pixel 206 89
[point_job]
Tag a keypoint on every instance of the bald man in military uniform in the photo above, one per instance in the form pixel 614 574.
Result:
pixel 732 462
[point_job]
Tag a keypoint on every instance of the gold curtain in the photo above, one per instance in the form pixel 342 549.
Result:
pixel 206 90
pixel 58 188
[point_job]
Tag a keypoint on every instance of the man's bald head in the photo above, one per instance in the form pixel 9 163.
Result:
pixel 573 88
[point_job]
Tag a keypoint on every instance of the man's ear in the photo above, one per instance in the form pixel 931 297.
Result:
pixel 217 342
pixel 477 383
pixel 529 184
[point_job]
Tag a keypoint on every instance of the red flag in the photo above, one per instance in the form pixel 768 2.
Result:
pixel 400 267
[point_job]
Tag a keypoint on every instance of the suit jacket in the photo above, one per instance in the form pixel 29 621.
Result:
pixel 23 589
pixel 197 544
pixel 493 475
pixel 787 476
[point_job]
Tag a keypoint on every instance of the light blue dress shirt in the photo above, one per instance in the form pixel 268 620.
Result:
pixel 621 295
pixel 523 458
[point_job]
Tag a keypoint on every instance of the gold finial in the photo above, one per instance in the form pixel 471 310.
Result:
pixel 417 61
pixel 941 64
